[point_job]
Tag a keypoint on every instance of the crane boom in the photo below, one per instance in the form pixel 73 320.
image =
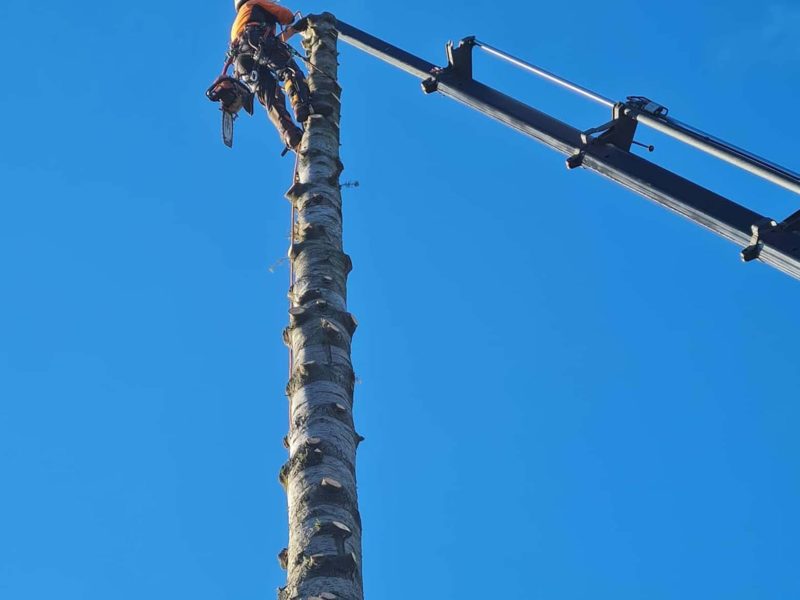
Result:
pixel 773 243
pixel 659 121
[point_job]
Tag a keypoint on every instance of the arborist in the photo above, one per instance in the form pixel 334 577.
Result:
pixel 263 64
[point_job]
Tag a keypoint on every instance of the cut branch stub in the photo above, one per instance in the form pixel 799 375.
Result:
pixel 333 565
pixel 314 232
pixel 308 456
pixel 312 371
pixel 331 485
pixel 324 596
pixel 309 295
pixel 335 529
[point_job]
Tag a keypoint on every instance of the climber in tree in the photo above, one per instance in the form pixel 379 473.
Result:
pixel 263 61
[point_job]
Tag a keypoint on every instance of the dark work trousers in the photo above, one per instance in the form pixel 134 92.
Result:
pixel 266 64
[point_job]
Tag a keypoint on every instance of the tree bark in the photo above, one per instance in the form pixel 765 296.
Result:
pixel 323 560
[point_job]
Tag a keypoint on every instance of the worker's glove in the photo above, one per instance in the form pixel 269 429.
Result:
pixel 297 27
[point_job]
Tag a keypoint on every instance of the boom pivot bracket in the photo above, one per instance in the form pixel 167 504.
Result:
pixel 766 231
pixel 618 132
pixel 459 64
pixel 459 58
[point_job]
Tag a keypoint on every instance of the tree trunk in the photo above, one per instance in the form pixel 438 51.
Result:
pixel 323 560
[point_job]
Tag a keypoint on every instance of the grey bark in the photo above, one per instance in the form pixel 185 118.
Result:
pixel 323 559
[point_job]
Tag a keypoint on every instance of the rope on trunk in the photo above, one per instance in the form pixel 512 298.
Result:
pixel 292 232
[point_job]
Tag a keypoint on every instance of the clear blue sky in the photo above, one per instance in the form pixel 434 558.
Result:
pixel 567 392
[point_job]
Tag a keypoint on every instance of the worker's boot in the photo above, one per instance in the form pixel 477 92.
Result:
pixel 290 133
pixel 293 137
pixel 274 101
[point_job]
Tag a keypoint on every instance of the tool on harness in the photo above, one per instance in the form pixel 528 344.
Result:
pixel 268 52
pixel 231 93
pixel 233 96
pixel 275 56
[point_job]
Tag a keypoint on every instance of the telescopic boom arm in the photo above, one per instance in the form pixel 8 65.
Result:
pixel 654 115
pixel 606 149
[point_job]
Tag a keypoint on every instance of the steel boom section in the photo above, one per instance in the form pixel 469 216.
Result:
pixel 778 248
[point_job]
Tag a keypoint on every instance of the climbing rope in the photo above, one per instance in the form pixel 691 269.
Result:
pixel 292 232
pixel 311 64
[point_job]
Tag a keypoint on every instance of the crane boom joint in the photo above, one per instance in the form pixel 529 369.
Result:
pixel 766 230
pixel 619 132
pixel 459 63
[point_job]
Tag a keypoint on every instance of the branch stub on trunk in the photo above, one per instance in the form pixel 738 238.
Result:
pixel 331 484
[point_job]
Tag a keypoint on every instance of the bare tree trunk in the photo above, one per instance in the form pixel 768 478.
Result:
pixel 323 560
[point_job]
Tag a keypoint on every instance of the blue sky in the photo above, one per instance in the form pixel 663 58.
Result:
pixel 566 391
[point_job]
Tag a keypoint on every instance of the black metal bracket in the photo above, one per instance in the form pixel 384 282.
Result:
pixel 618 132
pixel 459 63
pixel 644 104
pixel 459 58
pixel 765 231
